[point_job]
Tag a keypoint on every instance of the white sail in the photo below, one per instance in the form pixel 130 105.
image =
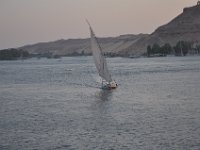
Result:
pixel 99 58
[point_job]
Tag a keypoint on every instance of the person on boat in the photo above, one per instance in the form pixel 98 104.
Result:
pixel 113 84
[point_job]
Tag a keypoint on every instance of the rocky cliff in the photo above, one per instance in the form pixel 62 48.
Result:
pixel 185 27
pixel 111 45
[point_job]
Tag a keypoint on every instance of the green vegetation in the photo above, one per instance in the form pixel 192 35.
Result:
pixel 13 54
pixel 181 48
pixel 157 50
pixel 197 49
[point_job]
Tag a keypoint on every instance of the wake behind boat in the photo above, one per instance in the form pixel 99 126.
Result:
pixel 100 62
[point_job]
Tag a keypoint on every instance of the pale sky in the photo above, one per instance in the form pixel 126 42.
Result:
pixel 25 22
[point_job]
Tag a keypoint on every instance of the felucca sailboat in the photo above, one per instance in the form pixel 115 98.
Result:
pixel 100 62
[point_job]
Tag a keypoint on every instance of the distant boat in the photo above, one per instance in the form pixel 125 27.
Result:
pixel 100 62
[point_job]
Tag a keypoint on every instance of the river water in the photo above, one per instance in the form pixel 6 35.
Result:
pixel 48 104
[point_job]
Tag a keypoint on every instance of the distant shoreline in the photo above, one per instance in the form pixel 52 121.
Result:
pixel 107 56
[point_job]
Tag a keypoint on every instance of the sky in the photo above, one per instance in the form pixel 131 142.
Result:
pixel 24 22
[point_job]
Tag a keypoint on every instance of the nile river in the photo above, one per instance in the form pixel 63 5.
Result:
pixel 57 104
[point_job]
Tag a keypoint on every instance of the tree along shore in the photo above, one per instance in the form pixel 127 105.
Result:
pixel 13 54
pixel 182 48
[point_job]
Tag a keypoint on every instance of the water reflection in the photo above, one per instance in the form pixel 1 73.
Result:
pixel 102 102
pixel 101 110
pixel 104 95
